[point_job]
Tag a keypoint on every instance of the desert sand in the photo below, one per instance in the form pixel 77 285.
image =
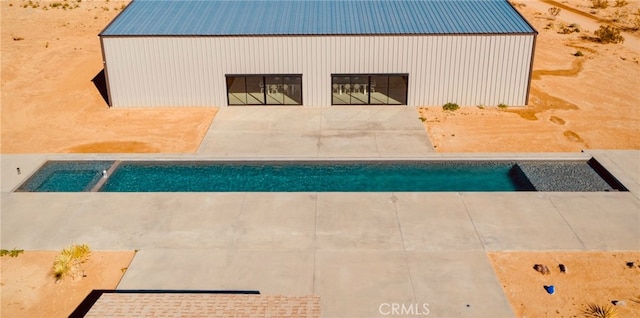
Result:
pixel 576 102
pixel 50 104
pixel 590 278
pixel 29 288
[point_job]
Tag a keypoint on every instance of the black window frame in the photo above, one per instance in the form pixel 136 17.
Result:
pixel 405 77
pixel 265 88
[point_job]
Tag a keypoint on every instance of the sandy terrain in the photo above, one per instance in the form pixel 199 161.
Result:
pixel 49 101
pixel 590 278
pixel 587 102
pixel 29 288
pixel 49 104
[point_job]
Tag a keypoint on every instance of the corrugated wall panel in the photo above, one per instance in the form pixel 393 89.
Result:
pixel 190 71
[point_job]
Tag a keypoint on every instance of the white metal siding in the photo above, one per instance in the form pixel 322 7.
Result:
pixel 190 71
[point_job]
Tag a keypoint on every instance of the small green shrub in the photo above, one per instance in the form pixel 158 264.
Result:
pixel 578 53
pixel 608 34
pixel 450 107
pixel 12 253
pixel 502 106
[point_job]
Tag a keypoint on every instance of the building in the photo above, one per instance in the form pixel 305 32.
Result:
pixel 318 53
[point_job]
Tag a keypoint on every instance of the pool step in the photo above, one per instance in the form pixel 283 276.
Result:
pixel 102 180
pixel 564 176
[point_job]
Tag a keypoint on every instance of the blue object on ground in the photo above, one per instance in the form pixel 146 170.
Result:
pixel 550 289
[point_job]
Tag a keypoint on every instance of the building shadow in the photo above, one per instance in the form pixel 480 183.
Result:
pixel 100 82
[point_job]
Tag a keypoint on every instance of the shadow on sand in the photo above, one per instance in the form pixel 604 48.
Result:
pixel 100 82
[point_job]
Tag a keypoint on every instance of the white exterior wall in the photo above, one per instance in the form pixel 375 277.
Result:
pixel 190 71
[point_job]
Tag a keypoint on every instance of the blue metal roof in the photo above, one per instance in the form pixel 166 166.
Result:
pixel 317 17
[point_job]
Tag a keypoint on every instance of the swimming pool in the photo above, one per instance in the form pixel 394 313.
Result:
pixel 316 176
pixel 66 176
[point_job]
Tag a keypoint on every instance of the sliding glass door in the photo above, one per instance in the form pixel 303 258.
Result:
pixel 369 89
pixel 264 89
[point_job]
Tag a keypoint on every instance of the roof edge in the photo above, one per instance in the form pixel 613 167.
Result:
pixel 115 18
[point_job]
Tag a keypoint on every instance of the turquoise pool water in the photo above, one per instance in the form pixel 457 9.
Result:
pixel 312 177
pixel 66 176
pixel 319 176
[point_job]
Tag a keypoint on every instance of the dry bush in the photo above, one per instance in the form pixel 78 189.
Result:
pixel 554 11
pixel 620 15
pixel 68 262
pixel 31 4
pixel 600 4
pixel 621 3
pixel 596 311
pixel 571 28
pixel 64 5
pixel 608 34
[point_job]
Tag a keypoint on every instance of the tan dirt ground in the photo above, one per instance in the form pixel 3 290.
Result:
pixel 29 288
pixel 588 102
pixel 49 104
pixel 591 278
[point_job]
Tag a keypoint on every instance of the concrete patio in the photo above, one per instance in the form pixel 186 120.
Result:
pixel 359 252
pixel 321 132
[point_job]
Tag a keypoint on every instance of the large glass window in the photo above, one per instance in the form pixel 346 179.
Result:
pixel 369 89
pixel 264 89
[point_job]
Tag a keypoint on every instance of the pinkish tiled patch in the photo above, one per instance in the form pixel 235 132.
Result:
pixel 203 305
